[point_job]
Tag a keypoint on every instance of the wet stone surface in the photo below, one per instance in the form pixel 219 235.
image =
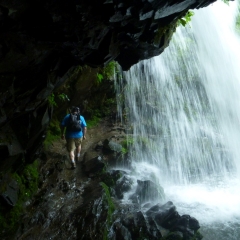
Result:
pixel 78 204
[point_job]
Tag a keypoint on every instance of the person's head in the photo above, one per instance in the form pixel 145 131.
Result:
pixel 75 110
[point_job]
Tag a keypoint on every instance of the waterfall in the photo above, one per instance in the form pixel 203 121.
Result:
pixel 183 108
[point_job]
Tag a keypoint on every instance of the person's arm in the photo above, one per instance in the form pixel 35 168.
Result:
pixel 62 127
pixel 84 132
pixel 84 127
pixel 62 131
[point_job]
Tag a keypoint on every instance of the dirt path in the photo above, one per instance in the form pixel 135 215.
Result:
pixel 58 156
pixel 61 188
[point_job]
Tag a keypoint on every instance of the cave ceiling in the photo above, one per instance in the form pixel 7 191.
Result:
pixel 40 42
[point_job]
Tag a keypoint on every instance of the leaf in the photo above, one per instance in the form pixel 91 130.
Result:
pixel 99 77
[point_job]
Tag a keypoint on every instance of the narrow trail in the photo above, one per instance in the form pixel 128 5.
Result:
pixel 61 188
pixel 57 167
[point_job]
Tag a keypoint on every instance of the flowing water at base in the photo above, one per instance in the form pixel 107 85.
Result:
pixel 185 110
pixel 216 205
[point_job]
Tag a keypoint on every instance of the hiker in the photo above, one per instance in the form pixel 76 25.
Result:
pixel 76 129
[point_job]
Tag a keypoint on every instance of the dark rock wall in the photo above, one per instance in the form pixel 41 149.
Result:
pixel 42 41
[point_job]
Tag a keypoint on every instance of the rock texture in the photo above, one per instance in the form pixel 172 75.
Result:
pixel 42 42
pixel 88 202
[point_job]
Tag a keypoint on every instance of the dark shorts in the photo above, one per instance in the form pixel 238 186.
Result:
pixel 73 143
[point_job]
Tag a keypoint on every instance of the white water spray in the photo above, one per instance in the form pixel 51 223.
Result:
pixel 185 110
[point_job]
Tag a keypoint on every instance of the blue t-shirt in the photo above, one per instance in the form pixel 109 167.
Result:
pixel 72 134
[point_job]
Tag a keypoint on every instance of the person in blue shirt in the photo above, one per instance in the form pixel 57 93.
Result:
pixel 73 138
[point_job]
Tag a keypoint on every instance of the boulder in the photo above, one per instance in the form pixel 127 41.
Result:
pixel 9 193
pixel 146 191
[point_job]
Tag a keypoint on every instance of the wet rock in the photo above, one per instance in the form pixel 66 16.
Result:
pixel 161 214
pixel 59 165
pixel 93 166
pixel 64 186
pixel 123 185
pixel 187 225
pixel 9 192
pixel 174 236
pixel 99 146
pixel 146 191
pixel 48 172
pixel 110 178
pixel 120 232
pixel 112 146
pixel 136 221
pixel 38 218
pixel 118 129
pixel 167 217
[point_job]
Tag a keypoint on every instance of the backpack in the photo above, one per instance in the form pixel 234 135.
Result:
pixel 74 123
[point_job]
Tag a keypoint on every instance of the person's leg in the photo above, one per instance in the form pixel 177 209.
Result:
pixel 71 156
pixel 78 143
pixel 71 149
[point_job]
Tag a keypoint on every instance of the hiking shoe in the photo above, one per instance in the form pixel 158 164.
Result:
pixel 73 165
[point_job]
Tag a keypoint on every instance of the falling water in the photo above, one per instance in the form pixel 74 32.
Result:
pixel 185 110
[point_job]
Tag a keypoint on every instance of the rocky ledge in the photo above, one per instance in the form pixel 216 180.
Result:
pixel 90 201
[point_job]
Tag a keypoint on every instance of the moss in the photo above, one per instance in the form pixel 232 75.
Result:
pixel 109 69
pixel 105 234
pixel 29 179
pixel 53 133
pixel 197 236
pixel 173 236
pixel 107 72
pixel 94 114
pixel 124 150
pixel 111 206
pixel 51 100
pixel 110 179
pixel 126 144
pixel 98 108
pixel 93 122
pixel 28 184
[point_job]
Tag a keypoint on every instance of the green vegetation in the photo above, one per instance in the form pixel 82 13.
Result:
pixel 186 19
pixel 124 150
pixel 126 144
pixel 27 181
pixel 99 78
pixel 93 112
pixel 51 100
pixel 102 105
pixel 226 1
pixel 107 178
pixel 197 236
pixel 53 133
pixel 61 96
pixel 111 208
pixel 107 72
pixel 110 69
pixel 93 121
